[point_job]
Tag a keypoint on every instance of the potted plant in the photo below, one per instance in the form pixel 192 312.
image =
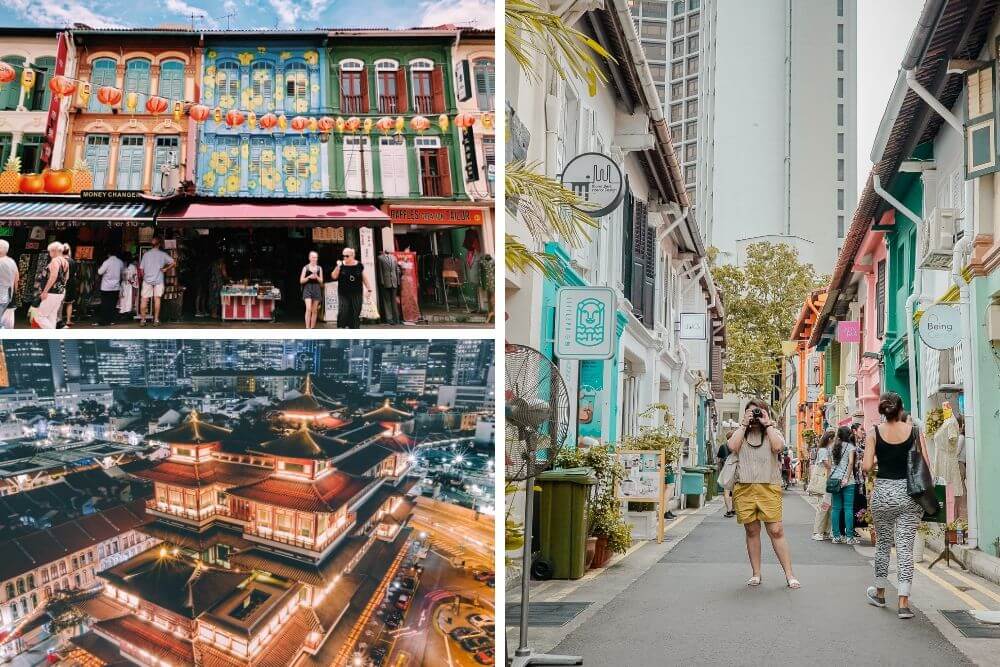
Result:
pixel 955 531
pixel 865 518
pixel 663 437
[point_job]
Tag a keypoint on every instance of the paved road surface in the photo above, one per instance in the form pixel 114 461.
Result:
pixel 691 607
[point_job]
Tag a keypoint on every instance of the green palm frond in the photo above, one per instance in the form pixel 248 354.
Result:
pixel 548 209
pixel 520 259
pixel 532 32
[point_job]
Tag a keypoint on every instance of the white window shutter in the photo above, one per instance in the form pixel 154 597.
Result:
pixel 980 121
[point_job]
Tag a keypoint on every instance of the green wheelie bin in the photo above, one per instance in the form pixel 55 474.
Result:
pixel 562 522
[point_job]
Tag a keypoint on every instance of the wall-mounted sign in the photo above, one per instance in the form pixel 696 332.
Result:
pixel 55 104
pixel 849 331
pixel 585 323
pixel 941 326
pixel 463 81
pixel 469 150
pixel 111 195
pixel 597 180
pixel 693 326
pixel 411 215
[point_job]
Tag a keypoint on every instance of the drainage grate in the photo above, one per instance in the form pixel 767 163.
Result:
pixel 970 627
pixel 547 614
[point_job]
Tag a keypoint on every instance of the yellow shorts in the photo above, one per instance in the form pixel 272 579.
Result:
pixel 757 502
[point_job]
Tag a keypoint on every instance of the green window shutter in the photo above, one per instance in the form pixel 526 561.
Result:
pixel 102 74
pixel 981 121
pixel 131 156
pixel 171 84
pixel 96 156
pixel 40 94
pixel 167 150
pixel 30 152
pixel 10 93
pixel 5 143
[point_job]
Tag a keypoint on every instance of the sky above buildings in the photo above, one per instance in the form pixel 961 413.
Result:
pixel 247 14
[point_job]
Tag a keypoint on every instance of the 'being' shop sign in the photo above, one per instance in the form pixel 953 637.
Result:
pixel 941 326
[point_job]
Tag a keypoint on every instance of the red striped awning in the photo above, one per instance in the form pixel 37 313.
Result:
pixel 317 214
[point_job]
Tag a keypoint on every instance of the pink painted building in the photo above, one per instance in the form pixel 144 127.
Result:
pixel 869 269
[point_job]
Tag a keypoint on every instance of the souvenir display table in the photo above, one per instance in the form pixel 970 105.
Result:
pixel 249 302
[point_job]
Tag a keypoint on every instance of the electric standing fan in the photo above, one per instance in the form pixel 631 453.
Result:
pixel 537 415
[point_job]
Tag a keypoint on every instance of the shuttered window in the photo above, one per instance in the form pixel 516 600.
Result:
pixel 980 122
pixel 297 166
pixel 137 79
pixel 40 95
pixel 627 247
pixel 227 84
pixel 102 73
pixel 261 158
pixel 5 144
pixel 95 154
pixel 435 170
pixel 30 151
pixel 483 73
pixel 10 94
pixel 167 151
pixel 880 299
pixel 131 156
pixel 296 88
pixel 392 155
pixel 262 87
pixel 171 84
pixel 357 153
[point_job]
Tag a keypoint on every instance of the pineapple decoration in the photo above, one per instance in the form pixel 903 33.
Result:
pixel 10 177
pixel 83 179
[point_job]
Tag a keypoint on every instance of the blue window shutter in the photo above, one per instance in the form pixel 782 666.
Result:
pixel 165 145
pixel 102 74
pixel 227 82
pixel 131 156
pixel 262 86
pixel 172 80
pixel 484 76
pixel 96 157
pixel 137 78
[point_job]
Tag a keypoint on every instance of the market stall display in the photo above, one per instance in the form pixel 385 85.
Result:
pixel 249 302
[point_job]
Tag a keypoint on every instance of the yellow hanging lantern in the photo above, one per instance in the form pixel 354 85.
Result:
pixel 251 120
pixel 178 111
pixel 217 114
pixel 282 122
pixel 312 124
pixel 443 122
pixel 83 95
pixel 131 102
pixel 487 120
pixel 368 125
pixel 400 124
pixel 339 124
pixel 28 79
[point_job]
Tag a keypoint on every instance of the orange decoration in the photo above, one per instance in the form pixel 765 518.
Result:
pixel 199 113
pixel 353 124
pixel 384 124
pixel 299 123
pixel 7 73
pixel 419 123
pixel 32 183
pixel 267 121
pixel 62 86
pixel 58 181
pixel 464 120
pixel 157 105
pixel 235 118
pixel 325 124
pixel 109 95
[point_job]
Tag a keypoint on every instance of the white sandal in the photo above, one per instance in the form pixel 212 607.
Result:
pixel 754 580
pixel 793 583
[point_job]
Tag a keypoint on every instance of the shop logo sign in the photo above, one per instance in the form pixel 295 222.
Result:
pixel 941 326
pixel 585 323
pixel 693 326
pixel 849 331
pixel 597 180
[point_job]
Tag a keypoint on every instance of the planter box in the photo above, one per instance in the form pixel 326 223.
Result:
pixel 643 524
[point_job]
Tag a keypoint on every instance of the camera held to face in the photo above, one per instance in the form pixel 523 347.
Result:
pixel 756 415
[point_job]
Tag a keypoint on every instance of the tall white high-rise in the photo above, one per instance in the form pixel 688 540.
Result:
pixel 777 125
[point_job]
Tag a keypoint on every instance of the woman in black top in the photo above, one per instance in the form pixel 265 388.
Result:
pixel 352 284
pixel 895 513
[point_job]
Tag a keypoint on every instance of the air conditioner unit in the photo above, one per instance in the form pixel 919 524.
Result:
pixel 937 239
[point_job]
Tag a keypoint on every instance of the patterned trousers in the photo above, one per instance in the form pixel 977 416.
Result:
pixel 896 516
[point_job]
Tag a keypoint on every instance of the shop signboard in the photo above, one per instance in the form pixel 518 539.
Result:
pixel 585 323
pixel 412 215
pixel 369 308
pixel 55 104
pixel 111 195
pixel 463 81
pixel 941 326
pixel 849 331
pixel 693 326
pixel 597 180
pixel 331 301
pixel 469 149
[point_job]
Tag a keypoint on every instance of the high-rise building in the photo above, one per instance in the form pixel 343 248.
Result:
pixel 778 125
pixel 29 364
pixel 162 362
pixel 440 363
pixel 471 360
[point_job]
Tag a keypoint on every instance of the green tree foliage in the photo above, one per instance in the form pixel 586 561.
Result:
pixel 763 298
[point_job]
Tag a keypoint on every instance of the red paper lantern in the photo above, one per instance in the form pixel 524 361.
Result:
pixel 464 120
pixel 353 124
pixel 267 121
pixel 199 113
pixel 62 86
pixel 325 124
pixel 299 123
pixel 419 123
pixel 385 124
pixel 109 95
pixel 155 105
pixel 7 73
pixel 235 118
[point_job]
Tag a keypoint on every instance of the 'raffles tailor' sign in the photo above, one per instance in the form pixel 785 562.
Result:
pixel 597 181
pixel 471 163
pixel 405 215
pixel 111 195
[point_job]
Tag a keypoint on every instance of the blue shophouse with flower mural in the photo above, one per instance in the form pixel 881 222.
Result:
pixel 260 93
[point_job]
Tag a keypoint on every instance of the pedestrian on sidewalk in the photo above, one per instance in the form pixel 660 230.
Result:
pixel 720 460
pixel 757 494
pixel 895 513
pixel 842 499
pixel 817 484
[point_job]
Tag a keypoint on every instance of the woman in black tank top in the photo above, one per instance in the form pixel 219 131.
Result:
pixel 892 457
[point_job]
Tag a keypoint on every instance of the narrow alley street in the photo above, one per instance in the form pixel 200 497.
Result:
pixel 685 602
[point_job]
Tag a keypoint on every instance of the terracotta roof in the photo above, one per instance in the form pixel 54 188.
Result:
pixel 327 494
pixel 302 444
pixel 195 475
pixel 296 570
pixel 147 637
pixel 192 432
pixel 188 539
pixel 363 460
pixel 387 413
pixel 102 649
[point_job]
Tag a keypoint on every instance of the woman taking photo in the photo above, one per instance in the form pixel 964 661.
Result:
pixel 311 280
pixel 842 500
pixel 757 494
pixel 817 485
pixel 895 513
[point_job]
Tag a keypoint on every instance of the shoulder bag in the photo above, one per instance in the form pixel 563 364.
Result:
pixel 919 483
pixel 836 479
pixel 727 477
pixel 817 480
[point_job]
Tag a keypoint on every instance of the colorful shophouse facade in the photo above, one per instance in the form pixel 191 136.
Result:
pixel 24 102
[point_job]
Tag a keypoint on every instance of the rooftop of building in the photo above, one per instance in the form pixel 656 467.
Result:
pixel 387 413
pixel 193 431
pixel 328 494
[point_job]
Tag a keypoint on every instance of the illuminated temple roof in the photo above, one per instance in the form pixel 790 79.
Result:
pixel 329 493
pixel 192 432
pixel 302 444
pixel 387 413
pixel 195 475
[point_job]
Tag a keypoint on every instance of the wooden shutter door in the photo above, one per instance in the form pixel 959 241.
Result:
pixel 880 299
pixel 638 257
pixel 980 122
pixel 437 89
pixel 649 270
pixel 444 171
pixel 401 93
pixel 364 91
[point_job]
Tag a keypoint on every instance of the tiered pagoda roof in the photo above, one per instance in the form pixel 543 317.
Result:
pixel 329 493
pixel 302 444
pixel 192 431
pixel 196 475
pixel 387 413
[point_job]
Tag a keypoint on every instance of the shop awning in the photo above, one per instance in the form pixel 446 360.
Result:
pixel 75 210
pixel 218 214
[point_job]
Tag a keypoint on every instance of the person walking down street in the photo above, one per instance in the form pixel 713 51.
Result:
pixel 217 279
pixel 352 284
pixel 51 288
pixel 10 277
pixel 720 460
pixel 110 272
pixel 311 279
pixel 72 285
pixel 130 285
pixel 817 484
pixel 842 500
pixel 155 263
pixel 389 277
pixel 757 494
pixel 895 513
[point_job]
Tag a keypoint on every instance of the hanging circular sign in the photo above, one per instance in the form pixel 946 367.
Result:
pixel 597 180
pixel 941 326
